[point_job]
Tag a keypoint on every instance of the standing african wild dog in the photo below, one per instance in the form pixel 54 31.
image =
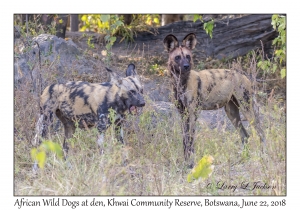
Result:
pixel 207 90
pixel 89 103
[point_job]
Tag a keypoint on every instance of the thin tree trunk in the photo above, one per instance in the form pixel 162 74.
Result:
pixel 74 22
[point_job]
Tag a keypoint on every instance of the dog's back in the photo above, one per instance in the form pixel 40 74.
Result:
pixel 213 88
pixel 77 99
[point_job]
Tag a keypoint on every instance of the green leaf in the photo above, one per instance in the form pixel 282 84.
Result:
pixel 274 21
pixel 156 20
pixel 112 39
pixel 108 46
pixel 283 73
pixel 275 41
pixel 196 17
pixel 278 52
pixel 274 67
pixel 53 147
pixel 105 18
pixel 33 153
pixel 84 18
pixel 208 27
pixel 106 38
pixel 259 64
pixel 119 23
pixel 41 158
pixel 281 27
pixel 190 178
pixel 202 170
pixel 83 28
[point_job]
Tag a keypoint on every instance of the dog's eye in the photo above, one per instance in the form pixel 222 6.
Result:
pixel 177 57
pixel 188 57
pixel 132 91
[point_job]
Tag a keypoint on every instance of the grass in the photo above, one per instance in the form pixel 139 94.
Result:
pixel 151 161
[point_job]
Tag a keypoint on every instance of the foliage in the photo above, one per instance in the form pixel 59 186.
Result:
pixel 198 17
pixel 35 27
pixel 156 69
pixel 279 24
pixel 152 19
pixel 279 58
pixel 108 24
pixel 112 115
pixel 113 25
pixel 39 154
pixel 202 170
pixel 207 26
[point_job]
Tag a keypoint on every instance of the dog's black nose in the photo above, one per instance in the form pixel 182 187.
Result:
pixel 186 66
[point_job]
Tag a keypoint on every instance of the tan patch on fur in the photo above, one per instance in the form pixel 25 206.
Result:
pixel 215 93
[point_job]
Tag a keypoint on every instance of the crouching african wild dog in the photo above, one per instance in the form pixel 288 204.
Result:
pixel 89 103
pixel 207 90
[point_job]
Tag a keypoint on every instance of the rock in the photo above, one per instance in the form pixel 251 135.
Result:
pixel 59 56
pixel 158 89
pixel 214 119
pixel 164 108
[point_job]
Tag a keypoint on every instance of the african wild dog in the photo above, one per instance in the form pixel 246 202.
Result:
pixel 89 103
pixel 207 90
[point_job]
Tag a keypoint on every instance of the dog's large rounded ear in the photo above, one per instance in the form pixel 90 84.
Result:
pixel 131 70
pixel 114 77
pixel 170 42
pixel 190 41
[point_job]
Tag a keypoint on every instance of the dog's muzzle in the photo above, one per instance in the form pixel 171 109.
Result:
pixel 133 109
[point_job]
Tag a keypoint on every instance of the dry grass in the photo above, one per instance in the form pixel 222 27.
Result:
pixel 151 162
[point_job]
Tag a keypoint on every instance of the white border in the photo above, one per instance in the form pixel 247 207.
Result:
pixel 137 7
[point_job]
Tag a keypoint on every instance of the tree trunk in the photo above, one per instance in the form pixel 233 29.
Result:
pixel 74 22
pixel 61 25
pixel 231 40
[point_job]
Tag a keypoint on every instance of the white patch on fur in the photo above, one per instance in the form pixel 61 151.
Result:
pixel 100 139
pixel 187 43
pixel 35 167
pixel 38 129
pixel 122 133
pixel 172 45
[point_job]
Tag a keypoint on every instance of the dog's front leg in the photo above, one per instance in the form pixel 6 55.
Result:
pixel 102 124
pixel 189 121
pixel 119 130
pixel 41 131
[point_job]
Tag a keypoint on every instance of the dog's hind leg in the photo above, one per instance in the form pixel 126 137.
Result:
pixel 252 115
pixel 257 123
pixel 233 113
pixel 42 126
pixel 69 128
